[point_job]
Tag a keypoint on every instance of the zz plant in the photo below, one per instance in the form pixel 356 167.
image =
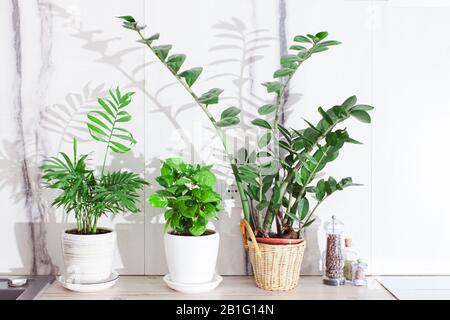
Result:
pixel 83 192
pixel 276 180
pixel 188 195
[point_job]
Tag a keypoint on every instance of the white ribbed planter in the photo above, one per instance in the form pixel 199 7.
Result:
pixel 191 260
pixel 88 258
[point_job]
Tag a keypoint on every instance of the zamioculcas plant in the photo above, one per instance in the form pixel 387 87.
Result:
pixel 189 196
pixel 278 183
pixel 85 193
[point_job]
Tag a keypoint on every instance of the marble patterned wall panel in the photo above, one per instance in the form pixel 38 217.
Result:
pixel 62 56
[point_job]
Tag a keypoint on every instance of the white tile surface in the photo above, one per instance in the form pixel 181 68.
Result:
pixel 418 288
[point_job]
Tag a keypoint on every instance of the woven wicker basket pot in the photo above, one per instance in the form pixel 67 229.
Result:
pixel 275 267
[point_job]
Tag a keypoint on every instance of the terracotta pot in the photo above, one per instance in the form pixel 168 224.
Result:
pixel 278 241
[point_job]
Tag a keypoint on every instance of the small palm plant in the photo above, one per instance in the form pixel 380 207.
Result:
pixel 87 195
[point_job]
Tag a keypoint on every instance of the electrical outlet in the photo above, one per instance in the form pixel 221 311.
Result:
pixel 231 192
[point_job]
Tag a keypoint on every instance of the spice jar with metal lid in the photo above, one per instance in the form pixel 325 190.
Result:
pixel 359 273
pixel 333 255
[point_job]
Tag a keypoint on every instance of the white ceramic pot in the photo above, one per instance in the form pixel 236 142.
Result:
pixel 88 258
pixel 190 259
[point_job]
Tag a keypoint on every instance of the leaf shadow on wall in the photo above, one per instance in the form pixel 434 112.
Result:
pixel 31 242
pixel 243 52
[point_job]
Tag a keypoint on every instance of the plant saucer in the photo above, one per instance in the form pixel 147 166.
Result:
pixel 193 288
pixel 71 284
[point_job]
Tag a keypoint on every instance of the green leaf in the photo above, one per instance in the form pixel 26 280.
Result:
pixel 265 139
pixel 330 43
pixel 262 123
pixel 127 18
pixel 266 109
pixel 289 61
pixel 176 163
pixel 361 115
pixel 174 62
pixel 230 112
pixel 283 72
pixel 209 196
pixel 162 51
pixel 325 115
pixel 318 49
pixel 148 41
pixel 363 107
pixel 168 214
pixel 313 38
pixel 298 47
pixel 191 75
pixel 205 178
pixel 350 102
pixel 158 201
pixel 285 132
pixel 331 139
pixel 312 126
pixel 321 35
pixel 227 122
pixel 309 223
pixel 197 230
pixel 210 97
pixel 154 37
pixel 303 208
pixel 292 216
pixel 302 39
pixel 273 86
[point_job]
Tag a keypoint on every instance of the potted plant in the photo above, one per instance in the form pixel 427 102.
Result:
pixel 190 201
pixel 276 180
pixel 88 250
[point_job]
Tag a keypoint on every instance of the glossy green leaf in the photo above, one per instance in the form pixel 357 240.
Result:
pixel 321 35
pixel 162 51
pixel 227 122
pixel 174 62
pixel 210 97
pixel 262 123
pixel 158 201
pixel 302 39
pixel 362 107
pixel 283 72
pixel 361 115
pixel 230 112
pixel 273 86
pixel 266 109
pixel 191 75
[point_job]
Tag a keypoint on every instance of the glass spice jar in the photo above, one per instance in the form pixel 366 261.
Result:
pixel 350 256
pixel 333 255
pixel 359 273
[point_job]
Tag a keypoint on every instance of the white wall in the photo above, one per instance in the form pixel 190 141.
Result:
pixel 395 55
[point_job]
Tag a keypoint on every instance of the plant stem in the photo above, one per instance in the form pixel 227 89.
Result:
pixel 231 159
pixel 283 188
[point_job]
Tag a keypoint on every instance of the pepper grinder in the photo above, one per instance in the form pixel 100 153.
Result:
pixel 333 256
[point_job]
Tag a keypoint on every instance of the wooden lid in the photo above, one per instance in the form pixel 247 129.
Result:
pixel 348 242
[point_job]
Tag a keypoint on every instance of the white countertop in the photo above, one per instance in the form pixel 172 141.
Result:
pixel 232 287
